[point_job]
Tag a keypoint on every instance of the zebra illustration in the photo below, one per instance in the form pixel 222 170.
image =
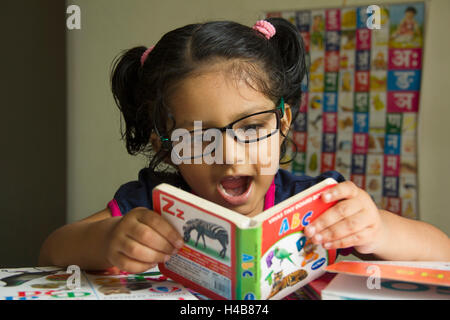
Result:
pixel 209 229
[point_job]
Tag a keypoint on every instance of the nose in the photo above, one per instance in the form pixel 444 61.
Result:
pixel 234 152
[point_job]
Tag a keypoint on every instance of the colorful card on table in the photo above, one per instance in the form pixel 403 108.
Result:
pixel 348 287
pixel 433 273
pixel 53 283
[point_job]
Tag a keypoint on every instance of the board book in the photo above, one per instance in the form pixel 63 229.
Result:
pixel 230 256
pixel 397 280
pixel 433 273
pixel 349 287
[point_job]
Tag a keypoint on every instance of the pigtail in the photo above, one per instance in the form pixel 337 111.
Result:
pixel 127 89
pixel 289 44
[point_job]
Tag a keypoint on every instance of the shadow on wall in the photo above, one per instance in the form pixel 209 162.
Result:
pixel 33 128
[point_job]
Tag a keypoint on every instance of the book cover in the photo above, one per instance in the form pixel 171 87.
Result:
pixel 314 288
pixel 433 273
pixel 230 256
pixel 350 287
pixel 51 283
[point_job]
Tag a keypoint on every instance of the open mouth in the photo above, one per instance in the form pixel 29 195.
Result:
pixel 235 189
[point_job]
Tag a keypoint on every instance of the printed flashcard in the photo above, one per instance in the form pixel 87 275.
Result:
pixel 376 140
pixel 377 110
pixel 300 139
pixel 54 283
pixel 145 286
pixel 358 113
pixel 374 165
pixel 299 163
pixel 374 186
pixel 344 163
pixel 43 283
pixel 330 102
pixel 379 58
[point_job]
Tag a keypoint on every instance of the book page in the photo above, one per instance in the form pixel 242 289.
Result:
pixel 274 212
pixel 207 260
pixel 41 283
pixel 51 283
pixel 149 285
pixel 290 260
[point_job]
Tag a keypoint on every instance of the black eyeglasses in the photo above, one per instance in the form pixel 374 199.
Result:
pixel 251 128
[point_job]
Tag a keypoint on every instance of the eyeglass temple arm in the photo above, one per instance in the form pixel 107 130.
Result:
pixel 281 106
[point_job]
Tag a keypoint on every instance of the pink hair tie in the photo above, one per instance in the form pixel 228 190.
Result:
pixel 265 27
pixel 145 54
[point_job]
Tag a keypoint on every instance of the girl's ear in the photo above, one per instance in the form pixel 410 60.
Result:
pixel 286 120
pixel 155 141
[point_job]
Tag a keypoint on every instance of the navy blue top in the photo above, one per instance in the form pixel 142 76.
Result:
pixel 139 193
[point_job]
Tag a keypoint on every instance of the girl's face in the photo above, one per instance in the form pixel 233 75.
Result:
pixel 409 16
pixel 217 99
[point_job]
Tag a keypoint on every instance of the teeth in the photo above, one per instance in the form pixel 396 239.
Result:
pixel 223 189
pixel 232 178
pixel 235 191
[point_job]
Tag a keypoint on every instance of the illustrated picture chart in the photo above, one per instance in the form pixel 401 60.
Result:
pixel 360 103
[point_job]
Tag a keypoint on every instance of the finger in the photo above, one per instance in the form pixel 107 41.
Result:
pixel 356 239
pixel 343 228
pixel 333 215
pixel 343 190
pixel 125 263
pixel 162 226
pixel 139 252
pixel 148 237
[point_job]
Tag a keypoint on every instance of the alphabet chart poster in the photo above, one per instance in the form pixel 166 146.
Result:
pixel 360 102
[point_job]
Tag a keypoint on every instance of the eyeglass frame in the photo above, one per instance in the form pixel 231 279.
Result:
pixel 279 109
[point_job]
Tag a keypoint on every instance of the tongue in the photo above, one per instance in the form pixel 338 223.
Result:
pixel 233 183
pixel 234 186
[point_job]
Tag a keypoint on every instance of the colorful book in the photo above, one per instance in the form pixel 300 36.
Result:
pixel 54 283
pixel 230 256
pixel 388 280
pixel 348 287
pixel 433 273
pixel 314 288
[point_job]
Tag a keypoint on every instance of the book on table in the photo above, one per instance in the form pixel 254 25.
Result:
pixel 230 256
pixel 388 280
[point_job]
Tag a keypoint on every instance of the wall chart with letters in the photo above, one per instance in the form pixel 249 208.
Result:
pixel 359 110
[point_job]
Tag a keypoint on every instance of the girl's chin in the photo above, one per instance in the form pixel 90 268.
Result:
pixel 249 209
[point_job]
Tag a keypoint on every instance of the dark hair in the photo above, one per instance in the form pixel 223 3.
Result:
pixel 275 66
pixel 411 9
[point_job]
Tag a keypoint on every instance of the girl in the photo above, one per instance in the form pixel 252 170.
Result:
pixel 236 79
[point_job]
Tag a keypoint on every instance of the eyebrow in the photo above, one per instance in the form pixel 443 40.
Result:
pixel 210 124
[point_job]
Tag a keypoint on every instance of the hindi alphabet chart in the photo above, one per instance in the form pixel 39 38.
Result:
pixel 360 102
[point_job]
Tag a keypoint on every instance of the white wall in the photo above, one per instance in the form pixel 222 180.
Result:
pixel 97 160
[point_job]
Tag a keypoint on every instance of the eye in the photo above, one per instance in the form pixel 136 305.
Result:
pixel 253 126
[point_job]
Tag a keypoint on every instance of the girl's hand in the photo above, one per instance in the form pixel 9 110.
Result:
pixel 141 239
pixel 353 221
